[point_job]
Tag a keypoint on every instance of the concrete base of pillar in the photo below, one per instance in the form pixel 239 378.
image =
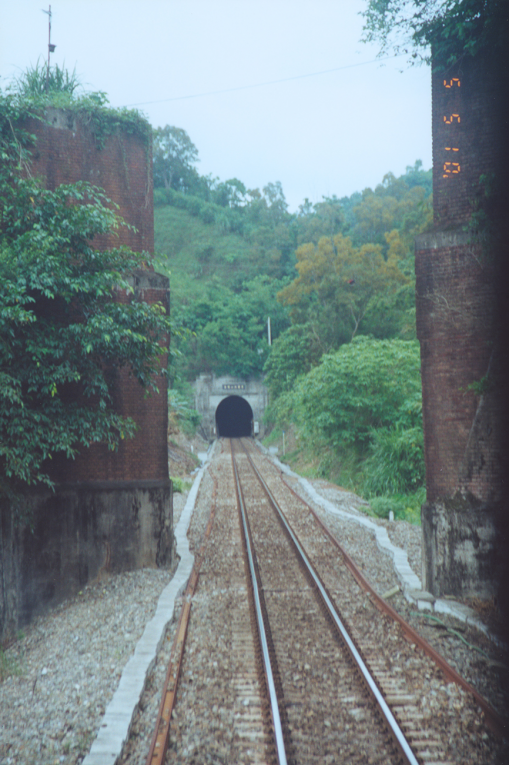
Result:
pixel 76 535
pixel 463 548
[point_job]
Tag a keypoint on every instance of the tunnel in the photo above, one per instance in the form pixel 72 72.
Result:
pixel 234 418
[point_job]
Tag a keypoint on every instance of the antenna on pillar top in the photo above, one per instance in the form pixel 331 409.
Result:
pixel 51 47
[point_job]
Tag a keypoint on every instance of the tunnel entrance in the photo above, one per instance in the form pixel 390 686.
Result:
pixel 234 418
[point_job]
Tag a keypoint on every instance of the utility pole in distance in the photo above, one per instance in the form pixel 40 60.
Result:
pixel 51 47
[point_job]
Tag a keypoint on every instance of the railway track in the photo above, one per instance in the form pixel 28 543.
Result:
pixel 281 687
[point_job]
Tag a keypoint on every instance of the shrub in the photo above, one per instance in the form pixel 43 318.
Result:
pixel 396 462
pixel 366 385
pixel 404 506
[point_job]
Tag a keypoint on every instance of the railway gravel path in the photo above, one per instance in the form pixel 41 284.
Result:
pixel 59 677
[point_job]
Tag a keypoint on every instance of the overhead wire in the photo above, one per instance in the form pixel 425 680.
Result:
pixel 262 84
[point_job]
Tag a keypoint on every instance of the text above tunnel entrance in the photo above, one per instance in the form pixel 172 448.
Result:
pixel 234 418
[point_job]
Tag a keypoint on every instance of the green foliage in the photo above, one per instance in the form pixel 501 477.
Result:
pixel 280 411
pixel 325 218
pixel 179 485
pixel 224 234
pixel 182 412
pixel 367 384
pixel 453 28
pixel 396 461
pixel 62 336
pixel 217 237
pixel 174 156
pixel 359 413
pixel 28 96
pixel 208 212
pixel 40 80
pixel 402 204
pixel 336 286
pixel 405 507
pixel 293 353
pixel 228 330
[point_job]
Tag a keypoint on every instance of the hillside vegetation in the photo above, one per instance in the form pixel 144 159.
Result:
pixel 337 281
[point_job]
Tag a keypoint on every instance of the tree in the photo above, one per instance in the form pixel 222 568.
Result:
pixel 174 156
pixel 453 28
pixel 231 193
pixel 367 384
pixel 61 332
pixel 228 330
pixel 293 353
pixel 336 284
pixel 326 218
pixel 396 203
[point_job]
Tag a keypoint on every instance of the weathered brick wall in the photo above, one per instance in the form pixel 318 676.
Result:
pixel 66 151
pixel 111 511
pixel 460 298
pixel 469 137
pixel 455 318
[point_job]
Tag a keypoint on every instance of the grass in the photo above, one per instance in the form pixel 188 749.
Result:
pixel 179 485
pixel 9 666
pixel 345 470
pixel 195 251
pixel 405 507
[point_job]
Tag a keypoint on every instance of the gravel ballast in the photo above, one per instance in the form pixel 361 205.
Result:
pixel 59 677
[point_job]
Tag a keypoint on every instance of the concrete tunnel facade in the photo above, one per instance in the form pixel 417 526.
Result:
pixel 230 407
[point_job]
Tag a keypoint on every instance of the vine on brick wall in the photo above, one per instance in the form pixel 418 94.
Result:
pixel 37 90
pixel 61 335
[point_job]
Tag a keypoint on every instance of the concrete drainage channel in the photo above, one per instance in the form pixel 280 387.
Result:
pixel 116 723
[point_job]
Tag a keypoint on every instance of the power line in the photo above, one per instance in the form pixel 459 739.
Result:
pixel 263 84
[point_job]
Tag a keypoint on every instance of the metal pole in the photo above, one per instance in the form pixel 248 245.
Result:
pixel 49 47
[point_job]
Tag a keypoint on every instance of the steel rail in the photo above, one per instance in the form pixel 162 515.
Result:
pixel 493 720
pixel 161 735
pixel 395 729
pixel 271 687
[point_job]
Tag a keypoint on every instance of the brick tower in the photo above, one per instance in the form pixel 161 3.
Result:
pixel 111 511
pixel 461 326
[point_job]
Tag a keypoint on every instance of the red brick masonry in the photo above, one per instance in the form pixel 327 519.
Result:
pixel 66 151
pixel 459 301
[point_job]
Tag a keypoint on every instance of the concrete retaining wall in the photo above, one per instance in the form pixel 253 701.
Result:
pixel 79 534
pixel 461 554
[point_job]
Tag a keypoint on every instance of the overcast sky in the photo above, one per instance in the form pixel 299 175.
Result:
pixel 301 100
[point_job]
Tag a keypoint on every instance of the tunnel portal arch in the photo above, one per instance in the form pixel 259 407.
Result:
pixel 210 391
pixel 234 418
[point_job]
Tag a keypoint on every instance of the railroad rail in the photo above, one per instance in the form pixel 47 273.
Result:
pixel 295 697
pixel 493 720
pixel 332 612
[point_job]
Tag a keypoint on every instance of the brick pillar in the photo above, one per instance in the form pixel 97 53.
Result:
pixel 110 510
pixel 460 302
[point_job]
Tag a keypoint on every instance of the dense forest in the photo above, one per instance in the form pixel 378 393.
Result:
pixel 336 279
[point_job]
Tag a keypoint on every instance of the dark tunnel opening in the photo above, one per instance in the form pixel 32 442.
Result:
pixel 234 417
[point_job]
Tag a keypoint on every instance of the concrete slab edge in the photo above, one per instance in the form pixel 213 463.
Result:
pixel 117 720
pixel 409 581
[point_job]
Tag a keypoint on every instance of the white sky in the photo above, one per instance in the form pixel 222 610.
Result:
pixel 333 133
